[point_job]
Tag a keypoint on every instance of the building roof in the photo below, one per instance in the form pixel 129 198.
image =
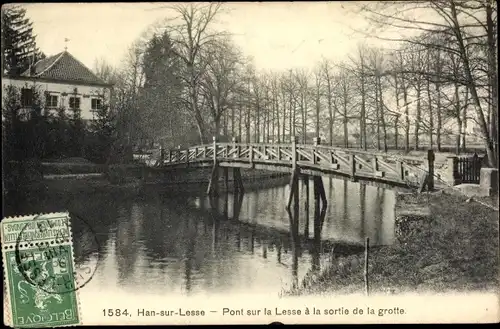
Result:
pixel 63 67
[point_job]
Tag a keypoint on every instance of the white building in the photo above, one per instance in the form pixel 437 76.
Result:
pixel 64 82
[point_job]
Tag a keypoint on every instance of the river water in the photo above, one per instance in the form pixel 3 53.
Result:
pixel 171 244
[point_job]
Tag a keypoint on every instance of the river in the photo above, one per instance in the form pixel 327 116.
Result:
pixel 188 244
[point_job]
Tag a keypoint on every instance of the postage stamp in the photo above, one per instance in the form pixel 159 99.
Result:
pixel 41 283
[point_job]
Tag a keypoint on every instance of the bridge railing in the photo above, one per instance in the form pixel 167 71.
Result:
pixel 320 157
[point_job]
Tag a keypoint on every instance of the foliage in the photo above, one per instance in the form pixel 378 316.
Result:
pixel 426 92
pixel 37 133
pixel 19 48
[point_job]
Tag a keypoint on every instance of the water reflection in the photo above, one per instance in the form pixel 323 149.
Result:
pixel 236 242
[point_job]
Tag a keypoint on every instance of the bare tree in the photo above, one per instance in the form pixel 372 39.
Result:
pixel 191 34
pixel 220 81
pixel 465 25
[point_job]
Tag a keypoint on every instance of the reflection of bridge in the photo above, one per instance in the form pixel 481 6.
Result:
pixel 219 210
pixel 304 159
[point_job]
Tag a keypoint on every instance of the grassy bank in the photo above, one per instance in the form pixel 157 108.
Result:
pixel 457 252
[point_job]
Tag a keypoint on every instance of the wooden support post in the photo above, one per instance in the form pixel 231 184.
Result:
pixel 430 164
pixel 400 170
pixel 236 185
pixel 235 150
pixel 306 226
pixel 295 174
pixel 162 155
pixel 226 204
pixel 318 182
pixel 317 226
pixel 250 155
pixel 316 142
pixel 367 287
pixel 352 158
pixel 293 187
pixel 294 153
pixel 238 148
pixel 376 168
pixel 213 185
pixel 226 179
pixel 452 171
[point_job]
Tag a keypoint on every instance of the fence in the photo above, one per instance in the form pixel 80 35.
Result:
pixel 466 169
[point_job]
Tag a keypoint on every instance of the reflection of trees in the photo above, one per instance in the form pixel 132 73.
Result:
pixel 345 198
pixel 190 254
pixel 380 217
pixel 126 251
pixel 306 206
pixel 362 206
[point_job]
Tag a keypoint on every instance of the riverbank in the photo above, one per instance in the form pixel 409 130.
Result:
pixel 455 249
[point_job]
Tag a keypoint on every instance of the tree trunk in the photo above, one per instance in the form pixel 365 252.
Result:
pixel 291 129
pixel 382 111
pixel 396 132
pixel 429 99
pixel 247 128
pixel 417 120
pixel 330 113
pixel 438 102
pixel 345 118
pixel 485 130
pixel 232 121
pixel 363 107
pixel 464 125
pixel 257 124
pixel 317 112
pixel 493 82
pixel 240 118
pixel 396 119
pixel 217 125
pixel 407 117
pixel 377 115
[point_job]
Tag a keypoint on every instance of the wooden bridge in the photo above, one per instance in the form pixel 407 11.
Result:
pixel 304 159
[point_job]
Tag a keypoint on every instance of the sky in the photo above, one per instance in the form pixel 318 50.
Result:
pixel 278 36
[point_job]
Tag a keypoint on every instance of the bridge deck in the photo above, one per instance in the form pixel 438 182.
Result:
pixel 316 160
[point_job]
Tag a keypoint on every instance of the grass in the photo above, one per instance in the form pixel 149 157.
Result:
pixel 458 253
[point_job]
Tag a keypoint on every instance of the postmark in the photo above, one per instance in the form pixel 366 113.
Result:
pixel 41 277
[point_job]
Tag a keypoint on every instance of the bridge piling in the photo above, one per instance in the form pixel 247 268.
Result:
pixel 430 165
pixel 213 184
pixel 237 180
pixel 306 206
pixel 295 173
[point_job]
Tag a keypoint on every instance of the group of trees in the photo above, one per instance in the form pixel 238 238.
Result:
pixel 35 133
pixel 19 48
pixel 183 82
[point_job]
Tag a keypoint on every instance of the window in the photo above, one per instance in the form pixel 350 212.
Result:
pixel 96 104
pixel 51 101
pixel 26 97
pixel 74 103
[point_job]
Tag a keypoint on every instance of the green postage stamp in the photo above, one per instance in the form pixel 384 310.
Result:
pixel 40 285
